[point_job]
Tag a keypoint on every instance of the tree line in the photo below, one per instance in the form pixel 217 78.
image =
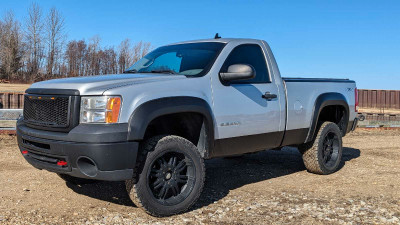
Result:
pixel 37 49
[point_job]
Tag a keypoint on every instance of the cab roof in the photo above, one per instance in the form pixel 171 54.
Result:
pixel 219 40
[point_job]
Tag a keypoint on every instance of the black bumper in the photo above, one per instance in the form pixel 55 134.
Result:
pixel 354 124
pixel 99 152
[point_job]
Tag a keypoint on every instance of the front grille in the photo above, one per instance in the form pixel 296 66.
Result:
pixel 49 111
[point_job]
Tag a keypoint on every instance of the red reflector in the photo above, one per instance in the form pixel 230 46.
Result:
pixel 62 163
pixel 25 152
pixel 356 99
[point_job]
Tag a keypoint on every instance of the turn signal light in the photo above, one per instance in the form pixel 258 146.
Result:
pixel 113 107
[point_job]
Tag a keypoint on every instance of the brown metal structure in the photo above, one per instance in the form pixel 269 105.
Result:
pixel 381 117
pixel 12 100
pixel 379 99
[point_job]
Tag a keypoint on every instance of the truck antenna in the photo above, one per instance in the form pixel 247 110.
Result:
pixel 217 36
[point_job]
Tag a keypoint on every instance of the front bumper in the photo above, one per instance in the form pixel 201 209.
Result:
pixel 99 152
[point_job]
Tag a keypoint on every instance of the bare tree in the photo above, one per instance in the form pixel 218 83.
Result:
pixel 139 50
pixel 39 52
pixel 128 55
pixel 54 28
pixel 75 56
pixel 108 61
pixel 146 48
pixel 70 58
pixel 33 39
pixel 11 48
pixel 124 55
pixel 83 60
pixel 1 45
pixel 92 57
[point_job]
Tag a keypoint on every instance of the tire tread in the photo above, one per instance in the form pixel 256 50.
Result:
pixel 134 190
pixel 310 152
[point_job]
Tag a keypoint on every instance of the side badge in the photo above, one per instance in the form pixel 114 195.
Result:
pixel 237 123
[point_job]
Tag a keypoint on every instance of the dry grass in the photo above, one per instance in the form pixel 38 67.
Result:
pixel 7 123
pixel 386 111
pixel 13 87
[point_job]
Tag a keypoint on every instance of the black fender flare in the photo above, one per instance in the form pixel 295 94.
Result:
pixel 148 111
pixel 327 99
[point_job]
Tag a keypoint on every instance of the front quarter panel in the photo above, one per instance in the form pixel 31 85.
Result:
pixel 138 95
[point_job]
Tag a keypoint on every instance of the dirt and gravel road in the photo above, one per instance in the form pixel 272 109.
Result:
pixel 262 188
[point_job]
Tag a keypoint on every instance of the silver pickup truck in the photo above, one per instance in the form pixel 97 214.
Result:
pixel 154 125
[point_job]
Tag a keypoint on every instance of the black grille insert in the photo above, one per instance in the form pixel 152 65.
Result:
pixel 44 158
pixel 49 161
pixel 50 111
pixel 36 144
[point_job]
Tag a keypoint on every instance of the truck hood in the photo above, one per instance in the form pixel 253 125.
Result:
pixel 97 85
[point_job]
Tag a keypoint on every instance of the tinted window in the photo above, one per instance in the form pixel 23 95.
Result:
pixel 192 59
pixel 248 54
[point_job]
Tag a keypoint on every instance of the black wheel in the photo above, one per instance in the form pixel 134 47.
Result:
pixel 76 180
pixel 325 152
pixel 169 177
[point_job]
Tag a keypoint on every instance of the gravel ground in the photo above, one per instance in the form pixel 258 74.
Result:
pixel 262 188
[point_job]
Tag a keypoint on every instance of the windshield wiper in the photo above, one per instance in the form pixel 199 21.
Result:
pixel 130 71
pixel 163 71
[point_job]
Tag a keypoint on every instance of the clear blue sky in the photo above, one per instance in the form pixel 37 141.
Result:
pixel 359 39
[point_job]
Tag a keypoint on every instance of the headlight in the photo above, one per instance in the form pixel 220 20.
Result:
pixel 100 109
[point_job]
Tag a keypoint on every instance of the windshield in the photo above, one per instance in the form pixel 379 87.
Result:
pixel 193 59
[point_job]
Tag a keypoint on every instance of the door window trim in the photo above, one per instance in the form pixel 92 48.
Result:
pixel 239 82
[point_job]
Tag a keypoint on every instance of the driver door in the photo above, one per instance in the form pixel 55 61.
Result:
pixel 246 122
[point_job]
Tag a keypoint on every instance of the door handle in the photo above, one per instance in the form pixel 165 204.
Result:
pixel 268 96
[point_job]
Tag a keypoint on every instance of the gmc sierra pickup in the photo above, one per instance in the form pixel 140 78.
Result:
pixel 154 125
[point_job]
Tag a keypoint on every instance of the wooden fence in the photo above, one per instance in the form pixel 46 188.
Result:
pixel 12 100
pixel 379 99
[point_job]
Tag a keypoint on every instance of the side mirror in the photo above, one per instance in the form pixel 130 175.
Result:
pixel 238 72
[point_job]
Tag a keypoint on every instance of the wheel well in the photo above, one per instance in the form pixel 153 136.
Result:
pixel 189 125
pixel 336 114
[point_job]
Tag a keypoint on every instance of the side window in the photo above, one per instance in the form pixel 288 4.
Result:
pixel 249 54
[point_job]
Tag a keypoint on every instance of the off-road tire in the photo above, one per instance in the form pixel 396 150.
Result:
pixel 313 152
pixel 305 146
pixel 138 187
pixel 76 180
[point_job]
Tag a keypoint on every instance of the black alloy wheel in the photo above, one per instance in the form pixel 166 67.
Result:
pixel 330 151
pixel 323 155
pixel 171 178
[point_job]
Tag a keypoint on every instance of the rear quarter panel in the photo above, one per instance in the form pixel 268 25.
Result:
pixel 301 98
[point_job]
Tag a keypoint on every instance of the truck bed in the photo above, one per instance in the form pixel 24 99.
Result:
pixel 300 79
pixel 302 93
